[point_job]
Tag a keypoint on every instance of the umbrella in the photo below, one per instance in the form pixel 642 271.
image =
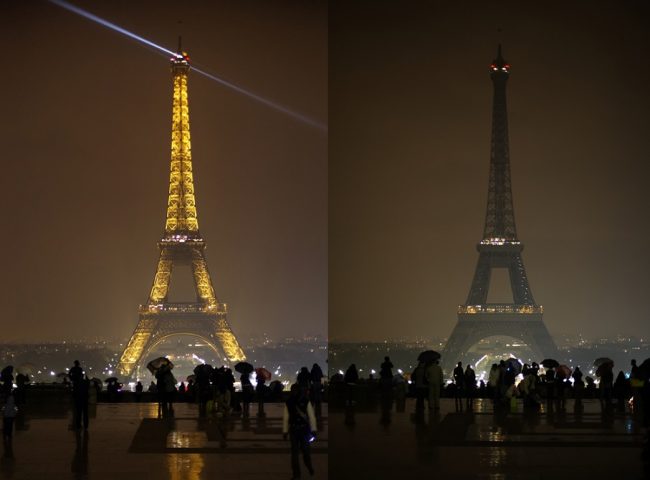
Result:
pixel 550 363
pixel 263 373
pixel 203 369
pixel 563 371
pixel 244 367
pixel 603 360
pixel 604 367
pixel 428 356
pixel 8 370
pixel 191 378
pixel 644 369
pixel 276 386
pixel 513 364
pixel 398 379
pixel 111 379
pixel 96 381
pixel 157 363
pixel 61 375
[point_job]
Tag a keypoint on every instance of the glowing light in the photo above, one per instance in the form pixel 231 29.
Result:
pixel 184 58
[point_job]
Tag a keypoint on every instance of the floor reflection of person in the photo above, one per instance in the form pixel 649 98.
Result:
pixel 299 424
pixel 79 464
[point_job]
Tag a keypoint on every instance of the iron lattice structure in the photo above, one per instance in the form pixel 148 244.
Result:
pixel 499 248
pixel 181 244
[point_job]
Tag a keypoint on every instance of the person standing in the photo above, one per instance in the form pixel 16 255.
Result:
pixel 80 394
pixel 246 393
pixel 299 425
pixel 316 391
pixel 459 383
pixel 470 386
pixel 433 375
pixel 421 388
pixel 8 416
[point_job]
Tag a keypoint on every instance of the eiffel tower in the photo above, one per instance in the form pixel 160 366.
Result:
pixel 181 244
pixel 500 248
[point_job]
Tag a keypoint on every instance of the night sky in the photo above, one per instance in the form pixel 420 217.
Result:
pixel 85 153
pixel 410 116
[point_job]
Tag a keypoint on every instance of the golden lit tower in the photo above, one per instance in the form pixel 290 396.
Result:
pixel 181 244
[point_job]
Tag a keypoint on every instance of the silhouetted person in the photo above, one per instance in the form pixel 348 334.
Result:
pixel 304 379
pixel 246 393
pixel 351 378
pixel 316 391
pixel 418 377
pixel 433 374
pixel 7 378
pixel 9 411
pixel 386 376
pixel 21 386
pixel 80 394
pixel 606 388
pixel 299 424
pixel 76 374
pixel 470 386
pixel 459 382
pixel 621 391
pixel 260 390
pixel 138 391
pixel 578 389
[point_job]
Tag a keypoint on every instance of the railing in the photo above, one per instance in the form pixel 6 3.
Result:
pixel 500 308
pixel 184 308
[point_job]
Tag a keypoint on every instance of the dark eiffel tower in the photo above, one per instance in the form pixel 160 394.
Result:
pixel 500 248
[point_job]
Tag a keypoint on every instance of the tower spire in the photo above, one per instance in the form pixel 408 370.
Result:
pixel 500 217
pixel 181 204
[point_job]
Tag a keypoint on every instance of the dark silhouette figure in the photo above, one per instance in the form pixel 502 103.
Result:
pixel 138 391
pixel 316 391
pixel 459 382
pixel 299 424
pixel 470 386
pixel 246 393
pixel 351 378
pixel 76 374
pixel 606 388
pixel 578 390
pixel 621 391
pixel 260 390
pixel 421 386
pixel 80 395
pixel 304 379
pixel 9 411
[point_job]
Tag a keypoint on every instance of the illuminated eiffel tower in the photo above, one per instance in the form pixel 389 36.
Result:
pixel 181 244
pixel 500 248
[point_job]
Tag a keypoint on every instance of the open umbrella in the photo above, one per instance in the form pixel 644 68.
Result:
pixel 263 373
pixel 26 368
pixel 96 381
pixel 603 367
pixel 111 379
pixel 191 378
pixel 563 371
pixel 244 367
pixel 514 365
pixel 550 363
pixel 603 360
pixel 61 375
pixel 428 356
pixel 157 363
pixel 203 369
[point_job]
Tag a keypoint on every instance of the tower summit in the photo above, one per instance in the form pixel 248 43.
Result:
pixel 181 244
pixel 499 249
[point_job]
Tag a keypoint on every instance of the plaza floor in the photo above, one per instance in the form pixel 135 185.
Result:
pixel 129 440
pixel 386 444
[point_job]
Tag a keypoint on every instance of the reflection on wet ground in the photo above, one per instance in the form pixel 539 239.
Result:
pixel 482 444
pixel 131 440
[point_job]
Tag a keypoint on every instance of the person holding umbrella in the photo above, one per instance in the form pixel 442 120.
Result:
pixel 299 425
pixel 263 375
pixel 245 369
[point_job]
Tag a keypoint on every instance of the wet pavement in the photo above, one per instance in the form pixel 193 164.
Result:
pixel 481 445
pixel 129 440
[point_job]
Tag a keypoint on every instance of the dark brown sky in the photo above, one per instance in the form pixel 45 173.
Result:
pixel 85 135
pixel 410 112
